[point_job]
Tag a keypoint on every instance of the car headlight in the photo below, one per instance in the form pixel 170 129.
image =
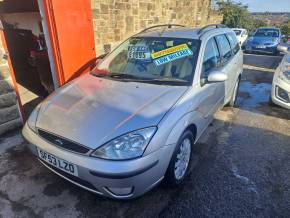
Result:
pixel 31 122
pixel 285 73
pixel 285 76
pixel 275 40
pixel 128 146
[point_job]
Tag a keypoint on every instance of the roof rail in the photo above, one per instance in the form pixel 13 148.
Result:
pixel 162 25
pixel 211 26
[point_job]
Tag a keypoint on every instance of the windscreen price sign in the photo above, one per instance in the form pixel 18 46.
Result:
pixel 139 53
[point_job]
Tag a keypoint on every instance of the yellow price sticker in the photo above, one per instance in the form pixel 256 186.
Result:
pixel 169 51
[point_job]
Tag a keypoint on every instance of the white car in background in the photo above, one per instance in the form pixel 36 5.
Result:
pixel 242 35
pixel 280 94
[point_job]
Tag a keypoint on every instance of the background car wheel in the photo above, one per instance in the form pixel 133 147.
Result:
pixel 179 164
pixel 235 94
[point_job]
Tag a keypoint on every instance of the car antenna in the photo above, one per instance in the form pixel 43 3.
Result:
pixel 169 26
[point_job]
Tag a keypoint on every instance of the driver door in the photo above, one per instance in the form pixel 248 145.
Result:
pixel 211 94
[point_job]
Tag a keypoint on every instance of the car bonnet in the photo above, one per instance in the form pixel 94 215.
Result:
pixel 92 111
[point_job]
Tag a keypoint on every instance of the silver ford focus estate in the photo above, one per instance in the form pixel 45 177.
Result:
pixel 133 121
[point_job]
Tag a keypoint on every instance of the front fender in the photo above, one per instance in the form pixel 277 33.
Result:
pixel 193 117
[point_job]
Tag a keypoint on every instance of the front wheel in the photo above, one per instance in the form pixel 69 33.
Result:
pixel 179 164
pixel 235 94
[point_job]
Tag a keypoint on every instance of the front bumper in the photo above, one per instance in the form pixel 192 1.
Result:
pixel 104 177
pixel 275 93
pixel 266 49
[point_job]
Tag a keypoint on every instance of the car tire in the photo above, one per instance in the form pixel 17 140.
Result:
pixel 271 103
pixel 180 162
pixel 274 53
pixel 234 96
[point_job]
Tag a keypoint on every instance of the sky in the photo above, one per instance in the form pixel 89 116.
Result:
pixel 267 5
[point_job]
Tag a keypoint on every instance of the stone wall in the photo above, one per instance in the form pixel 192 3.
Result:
pixel 9 111
pixel 115 20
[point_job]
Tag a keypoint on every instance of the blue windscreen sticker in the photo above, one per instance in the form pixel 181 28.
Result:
pixel 171 57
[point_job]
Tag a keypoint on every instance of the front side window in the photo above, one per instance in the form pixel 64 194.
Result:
pixel 211 58
pixel 152 59
pixel 234 42
pixel 224 47
pixel 238 32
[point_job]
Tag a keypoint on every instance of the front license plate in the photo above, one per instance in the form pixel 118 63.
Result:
pixel 58 163
pixel 260 46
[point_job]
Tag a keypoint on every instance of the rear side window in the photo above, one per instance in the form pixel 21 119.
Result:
pixel 224 47
pixel 234 42
pixel 211 58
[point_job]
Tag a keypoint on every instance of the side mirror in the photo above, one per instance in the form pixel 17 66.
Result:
pixel 217 76
pixel 282 48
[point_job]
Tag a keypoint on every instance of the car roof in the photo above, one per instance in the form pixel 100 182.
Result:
pixel 270 28
pixel 238 29
pixel 179 32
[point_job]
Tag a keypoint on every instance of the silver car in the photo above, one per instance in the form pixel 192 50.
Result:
pixel 133 121
pixel 280 94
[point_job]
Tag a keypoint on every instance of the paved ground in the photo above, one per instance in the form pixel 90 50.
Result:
pixel 242 168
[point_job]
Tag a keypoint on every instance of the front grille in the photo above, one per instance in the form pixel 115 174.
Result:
pixel 63 143
pixel 71 177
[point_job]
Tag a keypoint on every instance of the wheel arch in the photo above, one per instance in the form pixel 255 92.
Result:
pixel 193 129
pixel 187 122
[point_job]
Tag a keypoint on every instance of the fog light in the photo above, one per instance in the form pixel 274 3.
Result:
pixel 282 94
pixel 121 191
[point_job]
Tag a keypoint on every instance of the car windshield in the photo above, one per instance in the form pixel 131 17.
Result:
pixel 159 60
pixel 238 32
pixel 267 33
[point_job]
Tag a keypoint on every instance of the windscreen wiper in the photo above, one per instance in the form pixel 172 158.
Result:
pixel 126 76
pixel 99 74
pixel 123 76
pixel 171 81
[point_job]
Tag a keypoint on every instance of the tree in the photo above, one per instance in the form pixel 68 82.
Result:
pixel 285 28
pixel 256 23
pixel 236 15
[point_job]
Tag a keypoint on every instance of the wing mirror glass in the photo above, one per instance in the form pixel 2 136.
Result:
pixel 217 76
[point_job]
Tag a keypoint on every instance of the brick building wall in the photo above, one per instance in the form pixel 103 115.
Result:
pixel 115 20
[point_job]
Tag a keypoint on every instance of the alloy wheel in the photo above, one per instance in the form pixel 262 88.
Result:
pixel 182 159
